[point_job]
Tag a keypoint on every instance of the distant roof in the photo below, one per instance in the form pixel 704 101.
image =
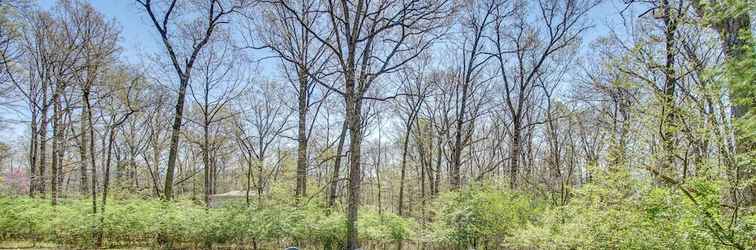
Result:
pixel 233 193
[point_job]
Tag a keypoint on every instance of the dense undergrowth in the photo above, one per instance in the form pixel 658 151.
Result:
pixel 614 212
pixel 140 222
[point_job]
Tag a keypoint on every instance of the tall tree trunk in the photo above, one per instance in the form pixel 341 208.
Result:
pixel 156 159
pixel 333 192
pixel 56 145
pixel 175 133
pixel 91 142
pixel 105 184
pixel 301 189
pixel 378 173
pixel 33 152
pixel 249 178
pixel 424 166
pixel 437 179
pixel 455 178
pixel 405 144
pixel 61 150
pixel 260 179
pixel 668 97
pixel 514 162
pixel 41 179
pixel 206 160
pixel 354 117
pixel 83 180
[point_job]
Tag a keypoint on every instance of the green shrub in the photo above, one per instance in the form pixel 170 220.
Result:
pixel 618 211
pixel 140 222
pixel 480 216
pixel 384 227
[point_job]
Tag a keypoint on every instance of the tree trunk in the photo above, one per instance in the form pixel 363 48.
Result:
pixel 337 167
pixel 353 116
pixel 514 163
pixel 105 184
pixel 405 144
pixel 249 178
pixel 83 180
pixel 56 145
pixel 33 152
pixel 206 160
pixel 41 179
pixel 175 133
pixel 424 166
pixel 668 97
pixel 301 189
pixel 437 179
pixel 260 179
pixel 378 173
pixel 455 178
pixel 91 142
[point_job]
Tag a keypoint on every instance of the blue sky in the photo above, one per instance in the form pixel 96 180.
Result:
pixel 138 37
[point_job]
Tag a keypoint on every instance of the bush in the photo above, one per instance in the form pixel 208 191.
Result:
pixel 480 216
pixel 140 222
pixel 617 211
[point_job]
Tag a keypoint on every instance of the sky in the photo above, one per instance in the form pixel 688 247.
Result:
pixel 139 37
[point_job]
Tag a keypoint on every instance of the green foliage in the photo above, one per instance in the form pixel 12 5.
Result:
pixel 618 211
pixel 384 226
pixel 140 222
pixel 481 216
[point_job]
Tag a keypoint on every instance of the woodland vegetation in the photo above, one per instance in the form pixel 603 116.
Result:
pixel 413 124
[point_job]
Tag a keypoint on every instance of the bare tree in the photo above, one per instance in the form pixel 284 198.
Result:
pixel 417 88
pixel 302 58
pixel 369 39
pixel 183 41
pixel 219 85
pixel 555 25
pixel 258 129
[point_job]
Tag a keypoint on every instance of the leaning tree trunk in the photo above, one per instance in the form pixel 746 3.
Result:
pixel 405 144
pixel 175 132
pixel 333 192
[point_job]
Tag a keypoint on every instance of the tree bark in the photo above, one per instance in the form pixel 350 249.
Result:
pixel 333 192
pixel 455 180
pixel 83 180
pixel 206 156
pixel 668 97
pixel 57 144
pixel 301 188
pixel 514 160
pixel 175 132
pixel 405 144
pixel 41 179
pixel 33 151
pixel 354 117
